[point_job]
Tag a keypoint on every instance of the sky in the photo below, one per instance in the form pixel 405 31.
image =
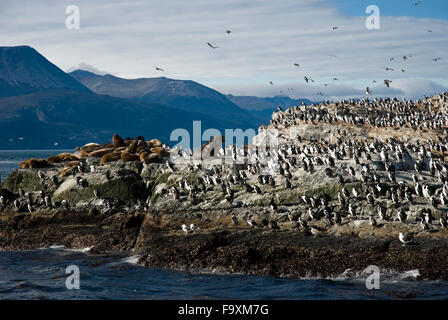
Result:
pixel 129 38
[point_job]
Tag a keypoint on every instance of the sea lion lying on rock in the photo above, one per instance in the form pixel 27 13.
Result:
pixel 33 163
pixel 101 152
pixel 113 156
pixel 62 157
pixel 127 156
pixel 69 168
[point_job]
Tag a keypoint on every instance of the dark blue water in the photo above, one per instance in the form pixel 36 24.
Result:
pixel 40 274
pixel 9 159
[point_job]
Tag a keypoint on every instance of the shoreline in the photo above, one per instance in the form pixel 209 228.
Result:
pixel 259 251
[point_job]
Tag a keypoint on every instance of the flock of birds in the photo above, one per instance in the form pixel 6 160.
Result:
pixel 378 188
pixel 309 80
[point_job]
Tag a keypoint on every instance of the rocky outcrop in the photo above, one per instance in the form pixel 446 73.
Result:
pixel 321 190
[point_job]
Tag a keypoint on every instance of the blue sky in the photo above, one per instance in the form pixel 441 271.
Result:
pixel 436 9
pixel 130 38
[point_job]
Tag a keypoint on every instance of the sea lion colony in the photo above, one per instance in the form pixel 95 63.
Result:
pixel 379 161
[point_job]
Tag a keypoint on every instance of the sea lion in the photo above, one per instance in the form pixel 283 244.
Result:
pixel 108 157
pixel 132 147
pixel 101 152
pixel 127 156
pixel 156 142
pixel 159 150
pixel 152 158
pixel 119 149
pixel 89 148
pixel 33 163
pixel 62 157
pixel 69 168
pixel 118 141
pixel 149 144
pixel 143 155
pixel 140 149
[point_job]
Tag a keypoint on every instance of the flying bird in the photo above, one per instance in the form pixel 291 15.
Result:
pixel 271 83
pixel 308 79
pixel 388 69
pixel 211 46
pixel 159 69
pixel 228 31
pixel 368 90
pixel 417 3
pixel 335 27
pixel 297 65
pixel 387 82
pixel 436 59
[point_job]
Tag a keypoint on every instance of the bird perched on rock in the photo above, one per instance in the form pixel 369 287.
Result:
pixel 405 238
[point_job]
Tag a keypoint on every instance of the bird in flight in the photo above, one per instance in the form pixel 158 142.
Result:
pixel 211 46
pixel 391 59
pixel 368 90
pixel 374 81
pixel 417 3
pixel 228 31
pixel 387 82
pixel 436 59
pixel 402 70
pixel 320 94
pixel 271 83
pixel 335 79
pixel 159 69
pixel 308 79
pixel 297 65
pixel 335 27
pixel 429 30
pixel 388 69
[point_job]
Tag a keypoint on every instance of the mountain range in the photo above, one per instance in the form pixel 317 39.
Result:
pixel 43 107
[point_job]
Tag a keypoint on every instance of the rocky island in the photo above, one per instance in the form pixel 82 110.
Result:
pixel 322 190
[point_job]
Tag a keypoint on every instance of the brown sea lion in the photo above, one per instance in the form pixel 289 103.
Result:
pixel 33 163
pixel 119 149
pixel 149 144
pixel 156 142
pixel 159 150
pixel 72 164
pixel 127 156
pixel 113 156
pixel 101 152
pixel 142 155
pixel 132 147
pixel 118 141
pixel 151 158
pixel 62 157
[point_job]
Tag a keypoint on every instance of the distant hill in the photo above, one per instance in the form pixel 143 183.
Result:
pixel 185 95
pixel 40 105
pixel 73 118
pixel 255 103
pixel 262 108
pixel 23 70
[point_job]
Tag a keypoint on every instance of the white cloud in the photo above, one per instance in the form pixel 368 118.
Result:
pixel 129 38
pixel 87 67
